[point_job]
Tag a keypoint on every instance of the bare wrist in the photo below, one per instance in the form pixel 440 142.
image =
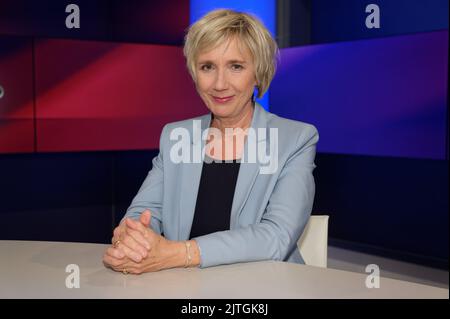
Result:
pixel 176 254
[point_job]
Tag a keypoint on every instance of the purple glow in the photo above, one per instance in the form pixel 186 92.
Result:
pixel 382 97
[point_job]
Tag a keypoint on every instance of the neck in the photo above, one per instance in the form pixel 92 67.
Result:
pixel 242 120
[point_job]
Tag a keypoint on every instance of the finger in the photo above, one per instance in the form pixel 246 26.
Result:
pixel 132 249
pixel 131 267
pixel 134 271
pixel 115 235
pixel 115 253
pixel 122 268
pixel 139 268
pixel 118 231
pixel 112 262
pixel 129 270
pixel 136 226
pixel 146 217
pixel 139 238
pixel 135 246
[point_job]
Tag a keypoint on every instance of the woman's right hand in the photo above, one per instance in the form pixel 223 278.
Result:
pixel 131 243
pixel 119 232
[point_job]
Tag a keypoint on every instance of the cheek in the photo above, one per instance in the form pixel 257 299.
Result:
pixel 203 84
pixel 247 83
pixel 247 89
pixel 202 90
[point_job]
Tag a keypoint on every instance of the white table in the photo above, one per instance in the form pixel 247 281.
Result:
pixel 38 270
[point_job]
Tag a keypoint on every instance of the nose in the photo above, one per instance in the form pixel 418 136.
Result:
pixel 221 82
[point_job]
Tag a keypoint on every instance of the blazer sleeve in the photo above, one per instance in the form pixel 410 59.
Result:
pixel 150 194
pixel 288 210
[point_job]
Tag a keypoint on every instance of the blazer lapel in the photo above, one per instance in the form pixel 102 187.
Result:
pixel 247 171
pixel 190 181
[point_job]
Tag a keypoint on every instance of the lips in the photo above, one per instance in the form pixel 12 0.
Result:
pixel 223 99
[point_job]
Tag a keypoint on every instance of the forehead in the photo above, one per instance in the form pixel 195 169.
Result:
pixel 231 49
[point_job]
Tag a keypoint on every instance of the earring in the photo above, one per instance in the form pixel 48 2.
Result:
pixel 253 98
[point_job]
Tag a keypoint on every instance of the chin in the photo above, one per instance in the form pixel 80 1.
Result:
pixel 218 112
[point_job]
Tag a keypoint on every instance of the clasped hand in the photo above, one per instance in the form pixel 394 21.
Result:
pixel 136 247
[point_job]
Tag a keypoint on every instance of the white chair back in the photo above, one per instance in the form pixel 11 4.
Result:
pixel 313 243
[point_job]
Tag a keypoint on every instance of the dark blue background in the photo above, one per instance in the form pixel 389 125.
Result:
pixel 390 206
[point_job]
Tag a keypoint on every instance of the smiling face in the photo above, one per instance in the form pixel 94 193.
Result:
pixel 226 79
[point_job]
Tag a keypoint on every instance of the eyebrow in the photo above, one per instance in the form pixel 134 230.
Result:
pixel 229 62
pixel 237 61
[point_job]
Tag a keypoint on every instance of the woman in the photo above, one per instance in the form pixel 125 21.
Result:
pixel 222 206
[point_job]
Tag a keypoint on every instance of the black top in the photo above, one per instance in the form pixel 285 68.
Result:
pixel 215 197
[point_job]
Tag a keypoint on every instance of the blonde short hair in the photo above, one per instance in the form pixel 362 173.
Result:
pixel 218 26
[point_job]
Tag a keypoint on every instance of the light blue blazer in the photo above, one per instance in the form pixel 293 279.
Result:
pixel 269 211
